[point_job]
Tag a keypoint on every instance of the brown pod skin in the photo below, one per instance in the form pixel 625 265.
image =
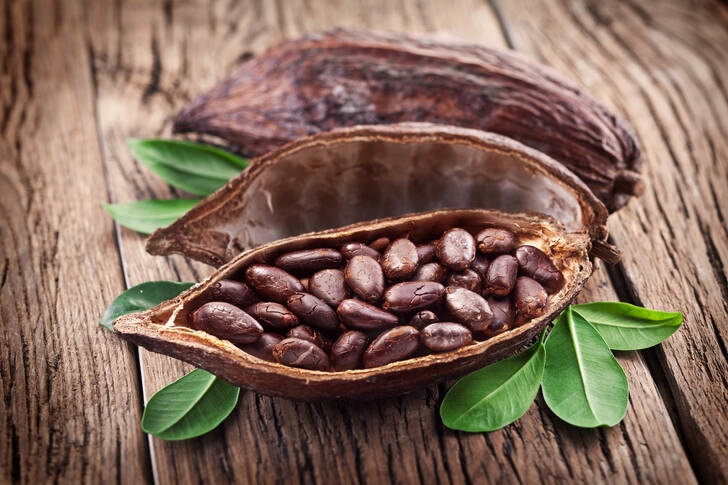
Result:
pixel 308 261
pixel 259 108
pixel 234 292
pixel 228 322
pixel 311 334
pixel 445 336
pixel 329 285
pixel 468 307
pixel 272 283
pixel 534 263
pixel 467 278
pixel 495 241
pixel 422 319
pixel 529 298
pixel 365 277
pixel 263 348
pixel 346 352
pixel 411 296
pixel 504 316
pixel 297 352
pixel 313 311
pixel 431 272
pixel 480 265
pixel 501 276
pixel 456 249
pixel 273 314
pixel 363 316
pixel 304 282
pixel 399 260
pixel 379 244
pixel 426 252
pixel 395 344
pixel 349 250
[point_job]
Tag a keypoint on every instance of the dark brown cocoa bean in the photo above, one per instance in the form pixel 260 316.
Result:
pixel 346 352
pixel 271 283
pixel 504 316
pixel 431 272
pixel 422 319
pixel 329 285
pixel 234 292
pixel 501 276
pixel 399 260
pixel 529 297
pixel 313 311
pixel 365 278
pixel 311 334
pixel 468 279
pixel 297 352
pixel 395 344
pixel 480 265
pixel 445 336
pixel 495 241
pixel 228 322
pixel 379 244
pixel 534 263
pixel 272 314
pixel 363 316
pixel 456 249
pixel 426 252
pixel 468 307
pixel 349 250
pixel 308 261
pixel 263 348
pixel 411 296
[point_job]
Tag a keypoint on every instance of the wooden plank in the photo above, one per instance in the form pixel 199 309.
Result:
pixel 148 61
pixel 69 387
pixel 665 65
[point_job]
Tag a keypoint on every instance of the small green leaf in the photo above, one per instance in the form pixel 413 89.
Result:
pixel 629 327
pixel 146 216
pixel 191 406
pixel 141 297
pixel 583 383
pixel 194 167
pixel 496 395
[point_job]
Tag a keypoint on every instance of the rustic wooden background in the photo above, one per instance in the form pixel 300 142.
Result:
pixel 79 77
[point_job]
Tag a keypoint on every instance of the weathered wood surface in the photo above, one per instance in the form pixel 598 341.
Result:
pixel 77 80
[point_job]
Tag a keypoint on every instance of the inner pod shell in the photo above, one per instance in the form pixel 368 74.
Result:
pixel 166 328
pixel 371 172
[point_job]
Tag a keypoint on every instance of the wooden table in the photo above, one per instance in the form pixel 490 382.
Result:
pixel 79 78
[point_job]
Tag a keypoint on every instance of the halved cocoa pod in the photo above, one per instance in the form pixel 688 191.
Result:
pixel 344 78
pixel 367 173
pixel 167 327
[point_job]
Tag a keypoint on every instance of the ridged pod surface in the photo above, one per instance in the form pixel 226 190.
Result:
pixel 343 78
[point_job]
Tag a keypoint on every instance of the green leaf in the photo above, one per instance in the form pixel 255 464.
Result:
pixel 628 327
pixel 142 297
pixel 583 383
pixel 496 395
pixel 191 406
pixel 194 167
pixel 147 216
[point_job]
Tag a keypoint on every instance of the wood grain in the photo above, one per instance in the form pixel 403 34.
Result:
pixel 70 389
pixel 150 64
pixel 662 66
pixel 77 79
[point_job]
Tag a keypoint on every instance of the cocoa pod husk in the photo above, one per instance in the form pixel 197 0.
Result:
pixel 372 172
pixel 167 328
pixel 344 77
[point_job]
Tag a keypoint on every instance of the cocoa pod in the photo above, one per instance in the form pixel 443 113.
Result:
pixel 263 203
pixel 344 78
